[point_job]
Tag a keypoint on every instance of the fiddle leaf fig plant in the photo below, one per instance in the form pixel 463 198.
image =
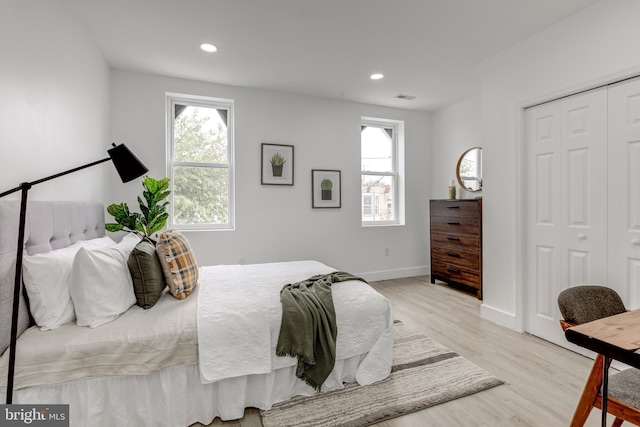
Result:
pixel 153 216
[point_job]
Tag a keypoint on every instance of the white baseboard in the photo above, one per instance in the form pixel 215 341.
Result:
pixel 399 273
pixel 508 320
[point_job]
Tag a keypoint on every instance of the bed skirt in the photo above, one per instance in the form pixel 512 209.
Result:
pixel 175 397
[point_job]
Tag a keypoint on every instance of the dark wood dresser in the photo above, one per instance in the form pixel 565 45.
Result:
pixel 456 242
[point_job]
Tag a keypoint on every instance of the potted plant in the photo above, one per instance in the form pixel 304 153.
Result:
pixel 326 185
pixel 153 216
pixel 277 163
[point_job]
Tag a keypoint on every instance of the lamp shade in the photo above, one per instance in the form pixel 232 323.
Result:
pixel 129 167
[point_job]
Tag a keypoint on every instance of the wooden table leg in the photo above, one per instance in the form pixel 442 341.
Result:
pixel 589 393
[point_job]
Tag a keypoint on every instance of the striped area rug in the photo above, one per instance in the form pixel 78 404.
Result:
pixel 424 374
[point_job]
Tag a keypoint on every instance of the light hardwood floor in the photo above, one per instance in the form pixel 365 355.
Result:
pixel 542 381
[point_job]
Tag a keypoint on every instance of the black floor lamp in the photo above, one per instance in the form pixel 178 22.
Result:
pixel 128 167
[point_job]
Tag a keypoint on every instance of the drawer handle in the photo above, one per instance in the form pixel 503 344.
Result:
pixel 453 254
pixel 455 239
pixel 453 270
pixel 453 223
pixel 453 207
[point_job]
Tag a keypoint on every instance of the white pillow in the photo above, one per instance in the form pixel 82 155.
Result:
pixel 46 279
pixel 101 285
pixel 99 242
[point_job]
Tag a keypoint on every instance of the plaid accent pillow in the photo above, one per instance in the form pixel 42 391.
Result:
pixel 178 263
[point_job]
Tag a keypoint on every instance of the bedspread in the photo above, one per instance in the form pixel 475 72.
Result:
pixel 239 316
pixel 139 342
pixel 142 342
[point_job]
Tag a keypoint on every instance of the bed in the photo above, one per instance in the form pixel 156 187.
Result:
pixel 148 367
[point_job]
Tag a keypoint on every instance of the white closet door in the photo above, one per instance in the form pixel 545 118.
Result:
pixel 566 241
pixel 624 191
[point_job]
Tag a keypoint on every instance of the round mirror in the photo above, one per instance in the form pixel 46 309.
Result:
pixel 469 169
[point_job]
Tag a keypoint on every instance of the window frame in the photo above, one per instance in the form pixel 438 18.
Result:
pixel 397 173
pixel 173 99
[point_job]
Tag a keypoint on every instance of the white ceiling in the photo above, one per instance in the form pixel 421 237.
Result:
pixel 430 49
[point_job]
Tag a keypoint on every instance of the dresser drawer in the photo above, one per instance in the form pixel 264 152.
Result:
pixel 454 208
pixel 458 258
pixel 455 225
pixel 456 241
pixel 447 273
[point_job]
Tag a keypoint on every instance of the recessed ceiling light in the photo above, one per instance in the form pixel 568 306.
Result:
pixel 208 47
pixel 376 76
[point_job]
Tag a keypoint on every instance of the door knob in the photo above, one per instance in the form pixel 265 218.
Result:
pixel 582 236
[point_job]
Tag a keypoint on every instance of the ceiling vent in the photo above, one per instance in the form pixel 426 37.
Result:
pixel 407 97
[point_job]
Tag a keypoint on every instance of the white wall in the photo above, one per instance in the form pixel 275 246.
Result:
pixel 455 129
pixel 277 223
pixel 54 102
pixel 596 46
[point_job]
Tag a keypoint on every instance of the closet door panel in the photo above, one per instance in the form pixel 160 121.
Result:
pixel 566 186
pixel 624 191
pixel 585 187
pixel 545 246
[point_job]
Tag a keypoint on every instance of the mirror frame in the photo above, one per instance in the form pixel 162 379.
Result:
pixel 462 186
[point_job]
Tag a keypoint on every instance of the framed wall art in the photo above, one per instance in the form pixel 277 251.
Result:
pixel 326 189
pixel 276 164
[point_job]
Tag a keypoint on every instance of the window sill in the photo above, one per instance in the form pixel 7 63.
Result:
pixel 381 224
pixel 201 228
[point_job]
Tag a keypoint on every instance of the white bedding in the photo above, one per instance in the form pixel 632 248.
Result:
pixel 77 365
pixel 139 342
pixel 239 316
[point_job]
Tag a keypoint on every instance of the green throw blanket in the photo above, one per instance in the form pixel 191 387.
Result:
pixel 308 331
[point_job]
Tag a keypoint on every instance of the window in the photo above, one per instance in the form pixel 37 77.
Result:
pixel 366 205
pixel 200 162
pixel 382 164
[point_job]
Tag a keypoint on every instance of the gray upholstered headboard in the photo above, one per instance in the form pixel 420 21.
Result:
pixel 50 225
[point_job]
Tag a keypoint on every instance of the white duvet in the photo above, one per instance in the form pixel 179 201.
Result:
pixel 229 325
pixel 239 315
pixel 139 342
